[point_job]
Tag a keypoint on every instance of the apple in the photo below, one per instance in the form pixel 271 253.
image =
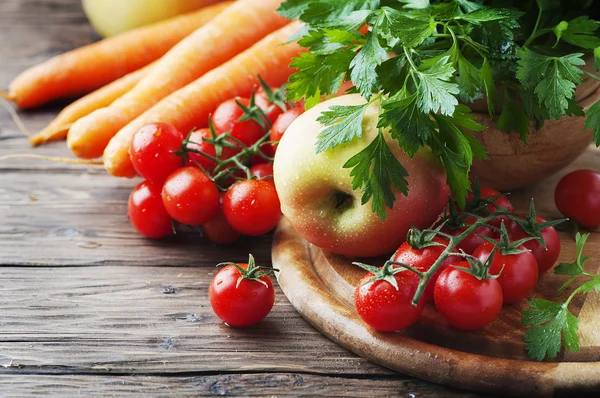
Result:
pixel 317 197
pixel 110 17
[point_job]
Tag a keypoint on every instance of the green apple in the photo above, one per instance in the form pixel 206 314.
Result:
pixel 110 17
pixel 316 191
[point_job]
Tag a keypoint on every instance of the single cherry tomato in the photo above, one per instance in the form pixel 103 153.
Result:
pixel 244 303
pixel 190 196
pixel 546 258
pixel 147 212
pixel 198 143
pixel 465 301
pixel 252 206
pixel 282 123
pixel 152 151
pixel 218 230
pixel 226 119
pixel 519 271
pixel 271 110
pixel 577 196
pixel 263 171
pixel 383 307
pixel 423 259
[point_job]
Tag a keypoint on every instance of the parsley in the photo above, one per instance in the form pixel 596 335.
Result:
pixel 551 324
pixel 424 59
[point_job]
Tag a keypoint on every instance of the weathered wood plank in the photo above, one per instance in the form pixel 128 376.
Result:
pixel 249 385
pixel 118 319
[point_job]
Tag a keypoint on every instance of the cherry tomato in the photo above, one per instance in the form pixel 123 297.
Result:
pixel 465 301
pixel 252 206
pixel 502 202
pixel 422 260
pixel 282 123
pixel 194 159
pixel 577 196
pixel 519 271
pixel 190 197
pixel 271 110
pixel 147 212
pixel 244 304
pixel 546 258
pixel 263 171
pixel 383 307
pixel 226 119
pixel 152 151
pixel 473 240
pixel 218 230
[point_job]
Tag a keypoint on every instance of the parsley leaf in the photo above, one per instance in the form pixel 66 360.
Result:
pixel 550 323
pixel 408 125
pixel 592 121
pixel 345 124
pixel 363 65
pixel 374 169
pixel 394 26
pixel 436 92
pixel 597 59
pixel 318 73
pixel 580 32
pixel 513 118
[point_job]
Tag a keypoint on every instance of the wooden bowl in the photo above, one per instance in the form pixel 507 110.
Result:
pixel 513 164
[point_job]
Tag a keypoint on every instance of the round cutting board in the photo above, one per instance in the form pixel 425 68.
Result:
pixel 320 285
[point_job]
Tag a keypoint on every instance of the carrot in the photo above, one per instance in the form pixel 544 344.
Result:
pixel 234 30
pixel 191 106
pixel 100 98
pixel 90 67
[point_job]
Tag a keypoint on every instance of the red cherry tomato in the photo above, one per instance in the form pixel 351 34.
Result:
pixel 519 272
pixel 546 258
pixel 252 207
pixel 226 119
pixel 263 171
pixel 383 307
pixel 218 230
pixel 501 202
pixel 190 197
pixel 473 240
pixel 282 123
pixel 152 151
pixel 422 260
pixel 194 159
pixel 244 304
pixel 147 212
pixel 465 301
pixel 271 110
pixel 577 196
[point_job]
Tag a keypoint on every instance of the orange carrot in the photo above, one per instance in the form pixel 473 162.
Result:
pixel 191 106
pixel 229 33
pixel 100 98
pixel 90 67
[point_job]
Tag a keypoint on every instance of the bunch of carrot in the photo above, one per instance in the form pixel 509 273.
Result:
pixel 176 71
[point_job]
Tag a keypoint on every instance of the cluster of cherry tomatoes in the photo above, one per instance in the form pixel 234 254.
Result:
pixel 468 294
pixel 219 177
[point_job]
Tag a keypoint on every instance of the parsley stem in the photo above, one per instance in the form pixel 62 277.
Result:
pixel 593 76
pixel 535 28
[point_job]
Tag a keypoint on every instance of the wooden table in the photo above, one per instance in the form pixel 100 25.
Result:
pixel 88 307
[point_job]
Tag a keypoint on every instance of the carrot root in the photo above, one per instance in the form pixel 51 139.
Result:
pixel 47 135
pixel 52 159
pixel 15 117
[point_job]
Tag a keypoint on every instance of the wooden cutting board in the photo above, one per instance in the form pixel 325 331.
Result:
pixel 320 285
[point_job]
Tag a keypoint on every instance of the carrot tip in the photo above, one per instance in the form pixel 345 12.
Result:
pixel 50 134
pixel 52 159
pixel 6 96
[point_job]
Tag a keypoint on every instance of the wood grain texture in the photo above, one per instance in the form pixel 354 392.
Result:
pixel 249 385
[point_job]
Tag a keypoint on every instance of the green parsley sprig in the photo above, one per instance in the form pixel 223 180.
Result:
pixel 551 324
pixel 425 59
